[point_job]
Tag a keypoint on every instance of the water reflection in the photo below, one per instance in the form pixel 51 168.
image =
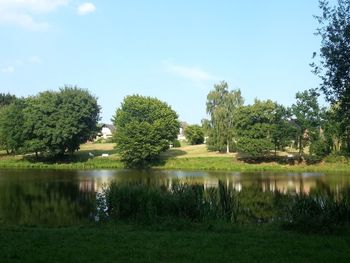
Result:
pixel 46 197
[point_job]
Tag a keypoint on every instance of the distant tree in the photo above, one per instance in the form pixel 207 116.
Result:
pixel 333 67
pixel 221 106
pixel 306 113
pixel 194 134
pixel 6 99
pixel 145 127
pixel 283 129
pixel 58 122
pixel 254 126
pixel 11 126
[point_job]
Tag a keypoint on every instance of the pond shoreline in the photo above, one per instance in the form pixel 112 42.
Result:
pixel 188 164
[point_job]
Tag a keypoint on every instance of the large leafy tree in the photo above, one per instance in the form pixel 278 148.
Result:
pixel 283 131
pixel 11 126
pixel 254 125
pixel 334 65
pixel 194 134
pixel 307 118
pixel 58 122
pixel 145 127
pixel 221 106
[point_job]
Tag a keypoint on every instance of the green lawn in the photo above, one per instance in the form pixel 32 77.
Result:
pixel 126 243
pixel 186 158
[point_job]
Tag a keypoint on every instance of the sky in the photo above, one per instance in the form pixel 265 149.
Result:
pixel 173 50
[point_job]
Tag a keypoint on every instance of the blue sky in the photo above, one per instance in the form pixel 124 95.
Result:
pixel 172 50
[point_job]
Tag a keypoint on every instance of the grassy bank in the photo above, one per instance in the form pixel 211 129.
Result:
pixel 184 158
pixel 131 243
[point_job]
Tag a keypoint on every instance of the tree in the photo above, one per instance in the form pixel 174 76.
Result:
pixel 283 130
pixel 254 126
pixel 221 106
pixel 145 127
pixel 11 126
pixel 6 99
pixel 194 134
pixel 58 122
pixel 334 66
pixel 306 112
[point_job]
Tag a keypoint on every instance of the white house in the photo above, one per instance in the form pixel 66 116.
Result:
pixel 106 132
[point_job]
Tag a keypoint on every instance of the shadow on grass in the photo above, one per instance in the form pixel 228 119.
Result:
pixel 269 159
pixel 172 153
pixel 77 157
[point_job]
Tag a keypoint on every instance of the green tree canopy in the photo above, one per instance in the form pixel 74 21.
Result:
pixel 333 67
pixel 6 99
pixel 11 126
pixel 194 134
pixel 306 112
pixel 221 106
pixel 58 122
pixel 145 127
pixel 254 126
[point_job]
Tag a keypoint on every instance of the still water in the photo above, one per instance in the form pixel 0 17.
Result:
pixel 55 197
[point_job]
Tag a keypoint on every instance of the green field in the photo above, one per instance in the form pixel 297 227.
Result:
pixel 186 157
pixel 129 243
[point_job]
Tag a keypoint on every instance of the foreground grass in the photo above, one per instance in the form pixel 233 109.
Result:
pixel 184 158
pixel 128 243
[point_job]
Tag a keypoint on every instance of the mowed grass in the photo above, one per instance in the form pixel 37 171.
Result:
pixel 131 243
pixel 187 157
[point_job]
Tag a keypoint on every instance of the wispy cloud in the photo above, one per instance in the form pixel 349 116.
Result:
pixel 35 60
pixel 22 13
pixel 8 69
pixel 188 72
pixel 86 8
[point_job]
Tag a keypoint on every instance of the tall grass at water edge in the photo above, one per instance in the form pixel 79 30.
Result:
pixel 193 203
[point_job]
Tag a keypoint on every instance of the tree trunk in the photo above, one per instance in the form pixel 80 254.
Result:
pixel 228 147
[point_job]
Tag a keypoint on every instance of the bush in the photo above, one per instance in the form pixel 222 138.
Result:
pixel 313 159
pixel 176 144
pixel 194 134
pixel 319 148
pixel 254 147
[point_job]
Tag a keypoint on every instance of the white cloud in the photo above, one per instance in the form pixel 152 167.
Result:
pixel 191 73
pixel 35 60
pixel 8 70
pixel 21 12
pixel 86 8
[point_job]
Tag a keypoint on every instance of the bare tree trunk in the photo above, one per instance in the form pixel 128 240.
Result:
pixel 228 146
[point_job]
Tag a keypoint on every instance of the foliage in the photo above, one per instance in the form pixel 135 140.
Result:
pixel 139 202
pixel 58 122
pixel 180 201
pixel 254 147
pixel 254 125
pixel 194 134
pixel 145 127
pixel 307 118
pixel 221 106
pixel 176 143
pixel 283 130
pixel 316 213
pixel 11 126
pixel 333 68
pixel 6 99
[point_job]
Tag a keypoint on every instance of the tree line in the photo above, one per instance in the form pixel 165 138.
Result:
pixel 54 123
pixel 266 126
pixel 51 123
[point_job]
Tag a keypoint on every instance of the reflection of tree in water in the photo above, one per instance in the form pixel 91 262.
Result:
pixel 46 203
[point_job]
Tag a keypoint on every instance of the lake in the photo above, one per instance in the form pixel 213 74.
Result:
pixel 58 198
